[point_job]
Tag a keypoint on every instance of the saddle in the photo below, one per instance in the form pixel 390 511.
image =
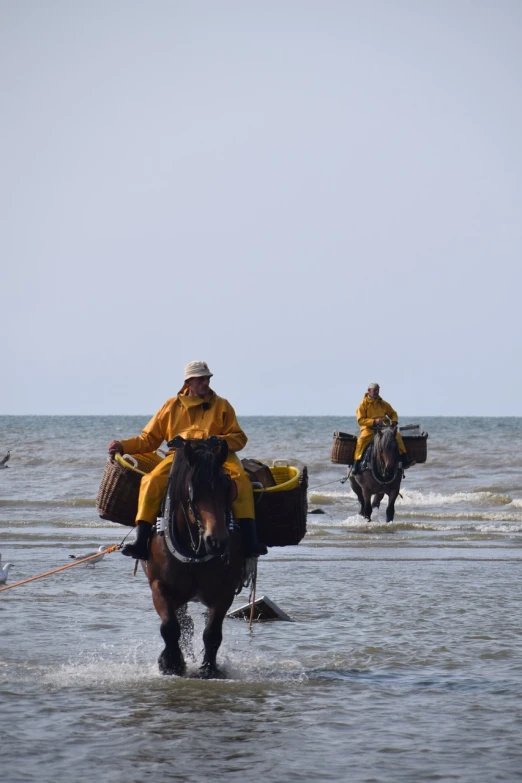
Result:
pixel 366 459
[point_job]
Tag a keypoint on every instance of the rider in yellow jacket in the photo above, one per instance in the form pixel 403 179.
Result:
pixel 195 413
pixel 371 412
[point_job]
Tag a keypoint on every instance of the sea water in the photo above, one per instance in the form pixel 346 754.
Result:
pixel 403 663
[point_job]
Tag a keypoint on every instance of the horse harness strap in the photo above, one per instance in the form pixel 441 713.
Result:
pixel 369 458
pixel 390 481
pixel 163 526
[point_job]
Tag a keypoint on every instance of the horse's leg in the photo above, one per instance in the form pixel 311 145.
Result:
pixel 390 509
pixel 171 659
pixel 212 638
pixel 377 499
pixel 356 488
pixel 186 624
pixel 367 508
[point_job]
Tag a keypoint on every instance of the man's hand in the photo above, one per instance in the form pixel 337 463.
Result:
pixel 115 447
pixel 377 422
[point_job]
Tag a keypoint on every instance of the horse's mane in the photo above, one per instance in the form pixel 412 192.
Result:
pixel 385 444
pixel 205 472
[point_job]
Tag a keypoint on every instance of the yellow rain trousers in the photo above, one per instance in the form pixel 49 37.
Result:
pixel 367 411
pixel 192 418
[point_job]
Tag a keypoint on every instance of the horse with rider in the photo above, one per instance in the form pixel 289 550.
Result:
pixel 380 454
pixel 205 498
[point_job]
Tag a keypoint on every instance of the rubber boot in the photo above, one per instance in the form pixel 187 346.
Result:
pixel 406 461
pixel 356 467
pixel 252 547
pixel 139 548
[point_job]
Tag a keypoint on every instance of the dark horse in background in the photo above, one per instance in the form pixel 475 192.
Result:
pixel 200 555
pixel 381 473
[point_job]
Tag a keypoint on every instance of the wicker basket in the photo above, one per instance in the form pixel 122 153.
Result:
pixel 416 446
pixel 117 499
pixel 343 448
pixel 281 510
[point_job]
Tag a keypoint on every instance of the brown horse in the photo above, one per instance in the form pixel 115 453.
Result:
pixel 382 474
pixel 199 556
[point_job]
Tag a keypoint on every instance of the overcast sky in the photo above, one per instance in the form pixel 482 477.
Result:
pixel 308 195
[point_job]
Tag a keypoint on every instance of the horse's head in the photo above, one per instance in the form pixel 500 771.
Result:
pixel 385 451
pixel 202 494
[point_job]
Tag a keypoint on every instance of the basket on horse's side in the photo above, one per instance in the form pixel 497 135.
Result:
pixel 117 499
pixel 343 448
pixel 281 510
pixel 416 446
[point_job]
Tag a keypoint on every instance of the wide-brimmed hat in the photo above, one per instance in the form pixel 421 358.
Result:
pixel 197 370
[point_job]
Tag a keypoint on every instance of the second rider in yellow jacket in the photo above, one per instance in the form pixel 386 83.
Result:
pixel 371 412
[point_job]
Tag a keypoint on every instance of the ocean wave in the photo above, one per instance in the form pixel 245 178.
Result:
pixel 416 498
pixel 357 523
pixel 502 523
pixel 86 502
pixel 328 498
pixel 62 523
pixel 421 519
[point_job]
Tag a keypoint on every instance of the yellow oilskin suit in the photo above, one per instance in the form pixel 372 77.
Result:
pixel 192 418
pixel 367 411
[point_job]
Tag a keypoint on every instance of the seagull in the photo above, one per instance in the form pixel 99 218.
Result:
pixel 4 461
pixel 3 573
pixel 95 560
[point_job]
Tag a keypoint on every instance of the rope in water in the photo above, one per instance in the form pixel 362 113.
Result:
pixel 82 560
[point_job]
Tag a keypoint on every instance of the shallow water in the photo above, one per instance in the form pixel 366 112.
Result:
pixel 403 662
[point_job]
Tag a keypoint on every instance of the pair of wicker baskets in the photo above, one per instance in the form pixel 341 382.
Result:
pixel 343 447
pixel 281 510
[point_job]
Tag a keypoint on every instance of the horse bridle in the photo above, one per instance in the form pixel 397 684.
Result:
pixel 196 546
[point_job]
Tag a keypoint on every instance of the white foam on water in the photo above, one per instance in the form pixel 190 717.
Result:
pixel 414 497
pixel 498 522
pixel 417 498
pixel 139 667
pixel 329 497
pixel 499 528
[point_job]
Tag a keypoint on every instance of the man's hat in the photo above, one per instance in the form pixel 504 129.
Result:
pixel 197 370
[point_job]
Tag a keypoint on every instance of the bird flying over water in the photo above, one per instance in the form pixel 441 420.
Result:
pixel 4 461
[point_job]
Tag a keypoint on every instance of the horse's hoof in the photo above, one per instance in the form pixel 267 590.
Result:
pixel 209 672
pixel 172 671
pixel 170 667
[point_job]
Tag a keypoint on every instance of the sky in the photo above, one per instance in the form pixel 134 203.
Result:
pixel 310 196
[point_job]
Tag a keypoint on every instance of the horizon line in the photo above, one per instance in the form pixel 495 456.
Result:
pixel 275 415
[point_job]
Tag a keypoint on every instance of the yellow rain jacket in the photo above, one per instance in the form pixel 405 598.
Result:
pixel 192 418
pixel 366 413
